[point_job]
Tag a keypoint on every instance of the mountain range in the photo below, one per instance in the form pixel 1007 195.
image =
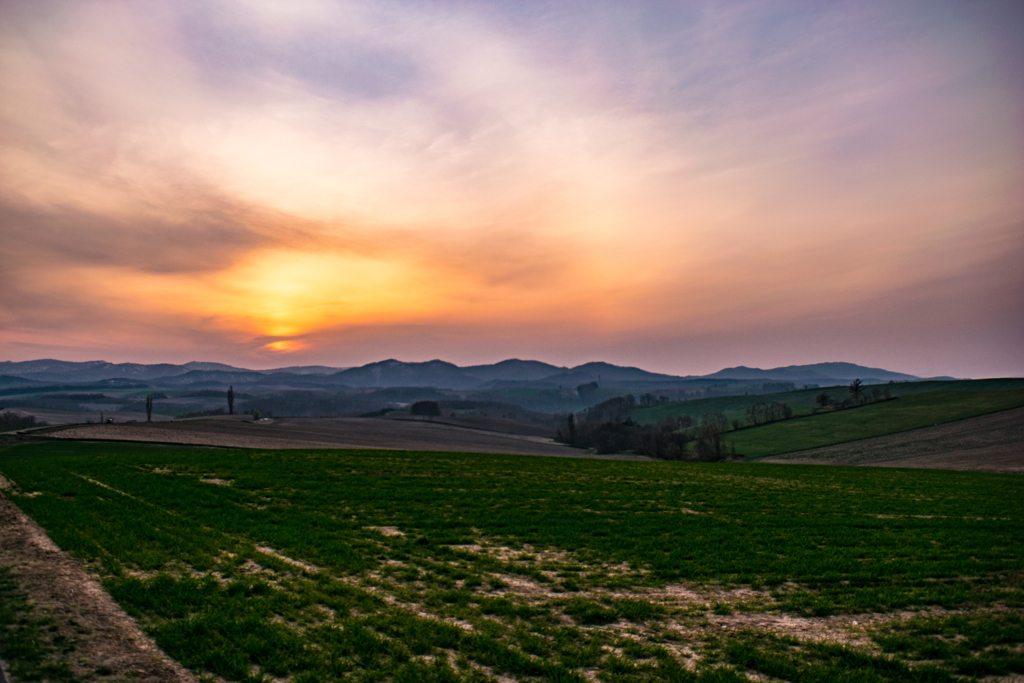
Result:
pixel 436 373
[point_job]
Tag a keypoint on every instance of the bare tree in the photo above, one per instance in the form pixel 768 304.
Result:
pixel 855 390
pixel 231 400
pixel 710 444
pixel 149 408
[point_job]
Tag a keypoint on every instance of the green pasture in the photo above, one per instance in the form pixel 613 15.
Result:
pixel 410 566
pixel 803 400
pixel 876 419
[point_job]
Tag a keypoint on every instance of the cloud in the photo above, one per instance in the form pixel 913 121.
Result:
pixel 279 175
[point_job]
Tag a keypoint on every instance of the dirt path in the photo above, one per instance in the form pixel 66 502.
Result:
pixel 989 443
pixel 104 636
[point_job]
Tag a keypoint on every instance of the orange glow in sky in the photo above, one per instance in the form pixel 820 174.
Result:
pixel 668 186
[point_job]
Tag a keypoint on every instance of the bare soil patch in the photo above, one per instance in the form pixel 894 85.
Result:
pixel 375 433
pixel 105 637
pixel 488 424
pixel 989 443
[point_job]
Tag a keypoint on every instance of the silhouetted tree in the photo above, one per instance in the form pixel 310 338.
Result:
pixel 823 399
pixel 12 420
pixel 231 400
pixel 149 408
pixel 427 408
pixel 613 410
pixel 760 413
pixel 710 444
pixel 855 390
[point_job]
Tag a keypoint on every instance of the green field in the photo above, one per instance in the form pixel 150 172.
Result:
pixel 877 419
pixel 406 566
pixel 802 400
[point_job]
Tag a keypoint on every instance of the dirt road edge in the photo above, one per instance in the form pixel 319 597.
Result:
pixel 106 638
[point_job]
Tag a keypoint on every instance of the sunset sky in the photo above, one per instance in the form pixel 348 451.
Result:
pixel 681 186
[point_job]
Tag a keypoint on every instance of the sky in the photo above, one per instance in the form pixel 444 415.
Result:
pixel 679 186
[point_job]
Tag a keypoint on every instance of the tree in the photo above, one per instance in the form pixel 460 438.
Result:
pixel 149 408
pixel 759 413
pixel 710 444
pixel 426 408
pixel 231 400
pixel 855 390
pixel 823 399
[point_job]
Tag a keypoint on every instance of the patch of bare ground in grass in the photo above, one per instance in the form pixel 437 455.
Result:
pixel 304 566
pixel 690 611
pixel 107 643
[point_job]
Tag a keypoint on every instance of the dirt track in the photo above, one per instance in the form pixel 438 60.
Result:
pixel 329 433
pixel 990 443
pixel 82 612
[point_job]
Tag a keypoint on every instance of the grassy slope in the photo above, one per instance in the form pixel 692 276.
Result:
pixel 735 407
pixel 877 419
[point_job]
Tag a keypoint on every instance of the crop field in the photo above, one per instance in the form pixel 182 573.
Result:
pixel 253 565
pixel 875 419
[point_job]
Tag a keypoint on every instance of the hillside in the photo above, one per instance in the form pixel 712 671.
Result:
pixel 878 419
pixel 803 400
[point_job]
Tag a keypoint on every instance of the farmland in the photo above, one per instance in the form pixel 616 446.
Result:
pixel 374 565
pixel 888 417
pixel 988 443
pixel 802 401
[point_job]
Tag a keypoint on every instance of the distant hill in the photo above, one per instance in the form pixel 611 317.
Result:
pixel 606 374
pixel 507 374
pixel 815 373
pixel 49 370
pixel 395 373
pixel 304 370
pixel 514 370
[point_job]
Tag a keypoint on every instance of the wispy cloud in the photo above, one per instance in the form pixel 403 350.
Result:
pixel 283 176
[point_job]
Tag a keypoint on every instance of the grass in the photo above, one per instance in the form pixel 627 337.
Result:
pixel 803 400
pixel 407 566
pixel 970 645
pixel 790 659
pixel 30 642
pixel 876 419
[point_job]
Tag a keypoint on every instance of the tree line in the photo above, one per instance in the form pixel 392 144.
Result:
pixel 607 428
